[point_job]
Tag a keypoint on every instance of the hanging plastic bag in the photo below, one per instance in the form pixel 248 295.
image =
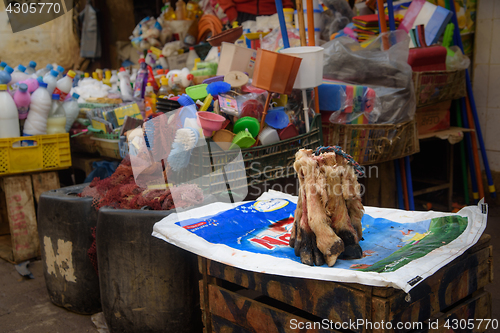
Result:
pixel 385 71
pixel 456 60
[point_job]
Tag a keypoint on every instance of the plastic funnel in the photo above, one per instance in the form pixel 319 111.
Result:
pixel 277 118
pixel 310 73
pixel 249 123
pixel 210 122
pixel 243 140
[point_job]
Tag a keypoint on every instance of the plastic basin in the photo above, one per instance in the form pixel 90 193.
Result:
pixel 210 122
pixel 310 73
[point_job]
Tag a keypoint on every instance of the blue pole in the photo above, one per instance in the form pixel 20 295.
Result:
pixel 468 144
pixel 390 10
pixel 281 17
pixel 399 187
pixel 458 41
pixel 409 183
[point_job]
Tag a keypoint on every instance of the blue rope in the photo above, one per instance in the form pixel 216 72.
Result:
pixel 338 150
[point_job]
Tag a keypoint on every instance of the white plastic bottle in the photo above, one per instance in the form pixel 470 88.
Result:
pixel 64 85
pixel 41 103
pixel 51 81
pixel 19 75
pixel 125 87
pixel 134 75
pixel 114 79
pixel 31 68
pixel 72 110
pixel 192 56
pixel 45 70
pixel 163 62
pixel 9 118
pixel 60 69
pixel 56 122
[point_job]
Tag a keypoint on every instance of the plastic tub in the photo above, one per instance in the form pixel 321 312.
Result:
pixel 236 58
pixel 310 73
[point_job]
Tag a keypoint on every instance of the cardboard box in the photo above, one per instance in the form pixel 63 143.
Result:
pixel 433 118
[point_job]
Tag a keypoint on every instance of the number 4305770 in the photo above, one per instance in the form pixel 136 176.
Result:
pixel 25 8
pixel 455 324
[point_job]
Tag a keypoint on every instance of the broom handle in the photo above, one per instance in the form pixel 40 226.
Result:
pixel 312 42
pixel 300 24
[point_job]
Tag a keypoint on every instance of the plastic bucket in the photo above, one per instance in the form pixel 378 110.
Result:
pixel 236 58
pixel 311 68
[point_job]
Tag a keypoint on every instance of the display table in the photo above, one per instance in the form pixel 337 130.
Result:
pixel 236 300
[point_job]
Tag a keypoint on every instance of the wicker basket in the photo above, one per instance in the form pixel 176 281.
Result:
pixel 370 144
pixel 438 86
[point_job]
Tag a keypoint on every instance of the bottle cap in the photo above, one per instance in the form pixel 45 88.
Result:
pixel 71 74
pixel 32 64
pixel 49 66
pixel 160 71
pixel 75 96
pixel 3 64
pixel 141 60
pixel 149 84
pixel 3 87
pixel 60 69
pixel 162 56
pixel 191 48
pixel 9 69
pixel 122 69
pixel 54 73
pixel 87 74
pixel 42 84
pixel 164 81
pixel 23 87
pixel 55 96
pixel 149 51
pixel 21 68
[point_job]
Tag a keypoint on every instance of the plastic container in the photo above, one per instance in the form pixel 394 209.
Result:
pixel 19 75
pixel 223 138
pixel 9 118
pixel 163 62
pixel 236 58
pixel 180 10
pixel 310 73
pixel 22 99
pixel 269 136
pixel 147 284
pixel 56 122
pixel 31 68
pixel 249 123
pixel 51 152
pixel 210 122
pixel 141 80
pixel 77 290
pixel 288 12
pixel 197 92
pixel 288 132
pixel 32 84
pixel 5 75
pixel 41 103
pixel 72 110
pixel 192 56
pixel 60 70
pixel 64 85
pixel 51 80
pixel 45 70
pixel 125 87
pixel 275 72
pixel 277 118
pixel 244 139
pixel 229 36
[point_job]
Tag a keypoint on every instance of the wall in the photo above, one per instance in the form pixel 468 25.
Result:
pixel 486 79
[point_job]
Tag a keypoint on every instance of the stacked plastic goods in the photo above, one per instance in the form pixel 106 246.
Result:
pixel 25 94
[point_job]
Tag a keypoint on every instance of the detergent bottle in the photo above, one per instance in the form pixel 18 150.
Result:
pixel 22 99
pixel 5 75
pixel 45 70
pixel 64 85
pixel 141 80
pixel 31 83
pixel 56 122
pixel 180 10
pixel 36 123
pixel 164 89
pixel 150 100
pixel 31 68
pixel 163 62
pixel 125 87
pixel 114 79
pixel 9 118
pixel 169 13
pixel 51 80
pixel 192 9
pixel 192 56
pixel 72 110
pixel 151 79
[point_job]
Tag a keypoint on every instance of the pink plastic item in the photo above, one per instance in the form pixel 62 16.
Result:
pixel 32 84
pixel 288 132
pixel 22 99
pixel 210 122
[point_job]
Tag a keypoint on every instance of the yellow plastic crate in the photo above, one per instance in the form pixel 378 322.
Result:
pixel 50 152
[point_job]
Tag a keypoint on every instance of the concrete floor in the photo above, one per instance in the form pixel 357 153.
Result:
pixel 25 305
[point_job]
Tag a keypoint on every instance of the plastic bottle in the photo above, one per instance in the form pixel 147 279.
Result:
pixel 151 79
pixel 31 68
pixel 125 87
pixel 107 78
pixel 150 100
pixel 164 89
pixel 22 100
pixel 5 75
pixel 64 85
pixel 31 83
pixel 60 69
pixel 163 62
pixel 45 70
pixel 18 75
pixel 150 59
pixel 133 77
pixel 180 10
pixel 114 79
pixel 141 80
pixel 51 80
pixel 192 33
pixel 9 119
pixel 72 110
pixel 3 64
pixel 169 14
pixel 192 9
pixel 41 103
pixel 192 56
pixel 56 122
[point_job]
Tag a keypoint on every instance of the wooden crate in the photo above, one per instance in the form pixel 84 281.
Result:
pixel 236 300
pixel 18 226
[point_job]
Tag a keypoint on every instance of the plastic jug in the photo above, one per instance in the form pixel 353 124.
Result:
pixel 56 122
pixel 22 100
pixel 141 80
pixel 72 110
pixel 5 75
pixel 45 70
pixel 125 87
pixel 9 119
pixel 64 85
pixel 31 68
pixel 51 81
pixel 36 123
